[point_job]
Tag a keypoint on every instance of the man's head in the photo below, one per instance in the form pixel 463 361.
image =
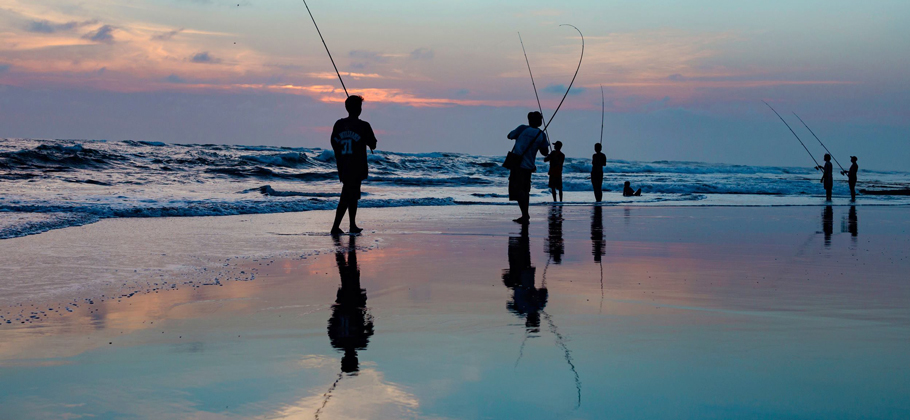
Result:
pixel 627 184
pixel 853 159
pixel 557 145
pixel 535 119
pixel 354 105
pixel 827 157
pixel 597 147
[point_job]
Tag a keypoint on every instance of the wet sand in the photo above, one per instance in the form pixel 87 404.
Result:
pixel 454 312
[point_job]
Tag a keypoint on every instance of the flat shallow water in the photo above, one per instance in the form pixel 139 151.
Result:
pixel 620 313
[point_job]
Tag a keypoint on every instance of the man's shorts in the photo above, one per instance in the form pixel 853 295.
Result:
pixel 350 191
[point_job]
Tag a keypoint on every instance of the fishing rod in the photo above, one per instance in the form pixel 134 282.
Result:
pixel 561 342
pixel 817 166
pixel 326 48
pixel 820 142
pixel 603 108
pixel 570 83
pixel 534 85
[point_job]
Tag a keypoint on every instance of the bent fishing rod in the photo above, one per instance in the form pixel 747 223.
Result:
pixel 580 58
pixel 820 142
pixel 817 166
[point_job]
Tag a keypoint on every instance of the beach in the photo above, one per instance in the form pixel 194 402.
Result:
pixel 455 312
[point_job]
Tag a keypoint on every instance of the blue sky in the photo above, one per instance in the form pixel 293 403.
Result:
pixel 684 80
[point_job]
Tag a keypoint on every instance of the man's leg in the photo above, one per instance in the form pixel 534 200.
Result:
pixel 560 194
pixel 339 213
pixel 553 190
pixel 352 217
pixel 828 195
pixel 523 205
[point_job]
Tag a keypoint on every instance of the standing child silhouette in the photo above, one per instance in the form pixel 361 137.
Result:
pixel 598 161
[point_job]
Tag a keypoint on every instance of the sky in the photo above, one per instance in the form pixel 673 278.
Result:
pixel 682 80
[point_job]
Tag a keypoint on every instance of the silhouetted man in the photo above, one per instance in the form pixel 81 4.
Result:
pixel 627 190
pixel 851 177
pixel 556 158
pixel 598 161
pixel 350 138
pixel 527 300
pixel 351 325
pixel 529 139
pixel 828 177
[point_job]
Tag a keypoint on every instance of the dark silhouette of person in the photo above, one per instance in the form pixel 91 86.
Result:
pixel 828 224
pixel 598 248
pixel 598 161
pixel 351 324
pixel 627 190
pixel 529 139
pixel 527 300
pixel 350 138
pixel 555 246
pixel 556 158
pixel 852 222
pixel 851 177
pixel 828 177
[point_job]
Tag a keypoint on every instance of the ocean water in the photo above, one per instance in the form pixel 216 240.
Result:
pixel 50 184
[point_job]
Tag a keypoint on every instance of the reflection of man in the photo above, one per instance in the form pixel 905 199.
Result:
pixel 527 300
pixel 828 224
pixel 597 234
pixel 351 325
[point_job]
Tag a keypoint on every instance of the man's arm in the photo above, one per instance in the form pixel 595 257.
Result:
pixel 517 132
pixel 371 138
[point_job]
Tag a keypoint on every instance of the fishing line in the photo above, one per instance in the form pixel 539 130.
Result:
pixel 326 48
pixel 817 166
pixel 820 142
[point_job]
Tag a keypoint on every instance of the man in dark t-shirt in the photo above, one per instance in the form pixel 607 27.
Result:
pixel 350 139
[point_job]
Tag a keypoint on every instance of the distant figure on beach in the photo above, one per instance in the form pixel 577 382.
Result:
pixel 351 324
pixel 627 190
pixel 350 138
pixel 828 224
pixel 556 158
pixel 598 161
pixel 851 177
pixel 527 300
pixel 828 177
pixel 529 139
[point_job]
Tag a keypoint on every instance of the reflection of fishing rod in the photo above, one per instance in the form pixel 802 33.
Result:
pixel 328 394
pixel 817 166
pixel 326 48
pixel 601 264
pixel 568 353
pixel 603 108
pixel 820 142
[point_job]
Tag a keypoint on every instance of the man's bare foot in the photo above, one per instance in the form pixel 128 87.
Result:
pixel 337 231
pixel 522 220
pixel 355 229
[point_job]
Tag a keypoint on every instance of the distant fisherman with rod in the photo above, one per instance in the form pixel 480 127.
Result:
pixel 828 177
pixel 851 177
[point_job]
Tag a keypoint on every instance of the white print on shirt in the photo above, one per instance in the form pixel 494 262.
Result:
pixel 346 139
